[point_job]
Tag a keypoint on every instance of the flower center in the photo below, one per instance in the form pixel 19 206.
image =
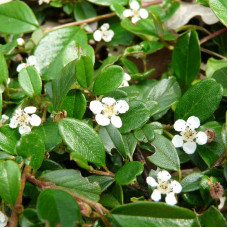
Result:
pixel 109 110
pixel 189 134
pixel 23 118
pixel 136 13
pixel 164 187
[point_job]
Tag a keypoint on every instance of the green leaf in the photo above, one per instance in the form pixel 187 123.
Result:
pixel 75 104
pixel 29 218
pixel 58 208
pixel 49 132
pixel 62 84
pixel 200 100
pixel 84 10
pixel 56 44
pixel 185 53
pixel 81 161
pixel 31 146
pixel 135 117
pixel 4 74
pixel 130 144
pixel 30 81
pixel 165 155
pixel 191 182
pixel 205 189
pixel 212 218
pixel 221 77
pixel 84 71
pixel 214 65
pixel 148 214
pixel 17 17
pixel 210 152
pixel 8 139
pixel 72 181
pixel 9 181
pixel 127 173
pixel 103 181
pixel 82 139
pixel 108 2
pixel 108 80
pixel 219 7
pixel 145 134
pixel 112 138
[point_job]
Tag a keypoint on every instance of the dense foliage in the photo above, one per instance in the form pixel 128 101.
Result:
pixel 113 113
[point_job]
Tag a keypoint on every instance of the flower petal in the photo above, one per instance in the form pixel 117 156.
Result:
pixel 171 199
pixel 143 13
pixel 177 141
pixel 13 123
pixel 189 147
pixel 96 107
pixel 35 120
pixel 176 186
pixel 156 195
pixel 193 122
pixel 31 60
pixel 30 109
pixel 180 125
pixel 105 27
pixel 222 202
pixel 151 181
pixel 108 100
pixel 97 35
pixel 24 129
pixel 20 67
pixel 201 138
pixel 127 77
pixel 3 219
pixel 109 36
pixel 127 13
pixel 164 175
pixel 4 117
pixel 116 121
pixel 122 106
pixel 20 41
pixel 134 5
pixel 102 120
pixel 135 19
pixel 2 88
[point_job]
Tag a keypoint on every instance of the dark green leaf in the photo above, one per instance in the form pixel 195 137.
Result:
pixel 29 218
pixel 191 182
pixel 221 77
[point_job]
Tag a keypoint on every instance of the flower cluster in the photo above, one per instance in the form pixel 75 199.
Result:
pixel 22 119
pixel 30 61
pixel 3 219
pixel 164 187
pixel 135 12
pixel 103 33
pixel 107 110
pixel 188 135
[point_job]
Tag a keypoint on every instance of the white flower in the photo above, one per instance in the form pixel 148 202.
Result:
pixel 20 42
pixel 22 119
pixel 40 2
pixel 135 12
pixel 30 61
pixel 103 33
pixel 222 202
pixel 188 135
pixel 3 120
pixel 164 186
pixel 126 79
pixel 107 110
pixel 3 219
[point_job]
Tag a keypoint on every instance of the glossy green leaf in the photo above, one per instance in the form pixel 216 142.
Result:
pixel 221 77
pixel 82 139
pixel 219 7
pixel 32 146
pixel 29 218
pixel 81 161
pixel 200 100
pixel 165 154
pixel 127 173
pixel 9 181
pixel 72 181
pixel 58 208
pixel 103 181
pixel 214 65
pixel 145 134
pixel 205 189
pixel 4 74
pixel 62 84
pixel 191 182
pixel 108 80
pixel 8 139
pixel 84 10
pixel 75 104
pixel 112 138
pixel 17 17
pixel 212 218
pixel 185 53
pixel 148 214
pixel 130 144
pixel 56 44
pixel 137 115
pixel 30 81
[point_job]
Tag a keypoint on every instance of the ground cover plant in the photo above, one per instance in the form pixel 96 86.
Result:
pixel 113 113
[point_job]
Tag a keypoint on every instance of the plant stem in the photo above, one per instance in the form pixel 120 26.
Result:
pixel 96 206
pixel 168 126
pixel 212 53
pixel 168 134
pixel 212 35
pixel 180 174
pixel 109 174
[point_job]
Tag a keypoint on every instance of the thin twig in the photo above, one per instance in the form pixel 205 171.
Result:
pixel 212 35
pixel 109 174
pixel 212 53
